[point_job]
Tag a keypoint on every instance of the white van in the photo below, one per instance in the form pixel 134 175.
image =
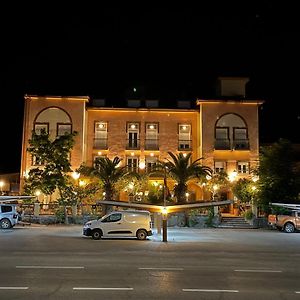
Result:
pixel 127 223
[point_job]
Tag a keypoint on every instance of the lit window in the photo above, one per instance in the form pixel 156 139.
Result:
pixel 220 166
pixel 243 167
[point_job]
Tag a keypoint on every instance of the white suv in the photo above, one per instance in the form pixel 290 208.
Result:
pixel 8 216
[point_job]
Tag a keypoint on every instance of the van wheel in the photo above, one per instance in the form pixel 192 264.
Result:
pixel 141 234
pixel 96 234
pixel 289 227
pixel 5 224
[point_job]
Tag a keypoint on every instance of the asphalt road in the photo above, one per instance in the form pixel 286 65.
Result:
pixel 57 262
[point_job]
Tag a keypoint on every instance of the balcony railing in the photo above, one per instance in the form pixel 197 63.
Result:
pixel 184 145
pixel 241 144
pixel 100 144
pixel 151 144
pixel 222 144
pixel 133 144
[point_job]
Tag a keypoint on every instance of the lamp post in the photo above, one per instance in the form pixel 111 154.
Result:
pixel 165 210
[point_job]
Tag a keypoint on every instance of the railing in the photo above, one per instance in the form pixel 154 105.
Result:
pixel 184 145
pixel 222 144
pixel 241 144
pixel 151 144
pixel 100 144
pixel 133 144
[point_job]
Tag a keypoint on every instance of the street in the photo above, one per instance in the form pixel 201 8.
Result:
pixel 58 262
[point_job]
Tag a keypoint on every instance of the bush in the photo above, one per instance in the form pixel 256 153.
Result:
pixel 248 214
pixel 60 215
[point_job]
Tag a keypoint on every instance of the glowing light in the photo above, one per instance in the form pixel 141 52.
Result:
pixel 132 153
pixel 142 165
pixel 75 175
pixel 164 210
pixel 184 154
pixel 232 176
pixel 37 192
pixel 151 126
pixel 255 178
pixel 151 154
pixel 215 187
pixel 187 194
pixel 131 186
pixel 101 125
pixel 146 193
pixel 132 126
pixel 253 188
pixel 134 89
pixel 99 153
pixel 82 183
pixel 183 127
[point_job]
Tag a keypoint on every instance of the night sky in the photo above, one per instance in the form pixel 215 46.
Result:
pixel 168 53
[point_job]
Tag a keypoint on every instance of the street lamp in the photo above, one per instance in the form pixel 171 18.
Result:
pixel 165 210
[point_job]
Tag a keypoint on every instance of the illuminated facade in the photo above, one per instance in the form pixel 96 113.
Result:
pixel 223 132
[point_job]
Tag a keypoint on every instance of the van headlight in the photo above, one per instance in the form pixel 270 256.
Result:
pixel 88 224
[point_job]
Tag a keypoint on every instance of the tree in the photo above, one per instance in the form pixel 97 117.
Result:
pixel 278 178
pixel 244 189
pixel 108 173
pixel 180 169
pixel 53 174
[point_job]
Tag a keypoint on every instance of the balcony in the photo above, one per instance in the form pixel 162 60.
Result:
pixel 133 144
pixel 100 144
pixel 241 144
pixel 222 144
pixel 151 144
pixel 184 145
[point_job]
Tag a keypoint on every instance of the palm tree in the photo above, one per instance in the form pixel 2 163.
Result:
pixel 108 172
pixel 182 171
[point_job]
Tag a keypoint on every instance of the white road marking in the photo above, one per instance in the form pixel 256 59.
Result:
pixel 101 289
pixel 210 291
pixel 13 287
pixel 48 267
pixel 259 271
pixel 297 292
pixel 167 269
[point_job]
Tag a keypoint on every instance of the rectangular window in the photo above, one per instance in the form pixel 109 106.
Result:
pixel 184 137
pixel 151 142
pixel 100 140
pixel 239 133
pixel 151 162
pixel 220 166
pixel 222 133
pixel 38 127
pixel 133 135
pixel 63 129
pixel 243 167
pixel 132 164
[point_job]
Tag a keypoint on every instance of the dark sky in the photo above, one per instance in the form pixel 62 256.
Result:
pixel 173 52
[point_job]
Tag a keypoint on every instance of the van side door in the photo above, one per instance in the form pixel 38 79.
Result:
pixel 112 225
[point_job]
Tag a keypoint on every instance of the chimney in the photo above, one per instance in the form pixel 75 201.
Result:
pixel 232 86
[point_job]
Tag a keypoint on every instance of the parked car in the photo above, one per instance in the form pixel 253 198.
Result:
pixel 289 222
pixel 8 216
pixel 127 223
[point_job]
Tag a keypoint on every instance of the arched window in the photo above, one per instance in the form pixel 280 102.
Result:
pixel 231 132
pixel 53 120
